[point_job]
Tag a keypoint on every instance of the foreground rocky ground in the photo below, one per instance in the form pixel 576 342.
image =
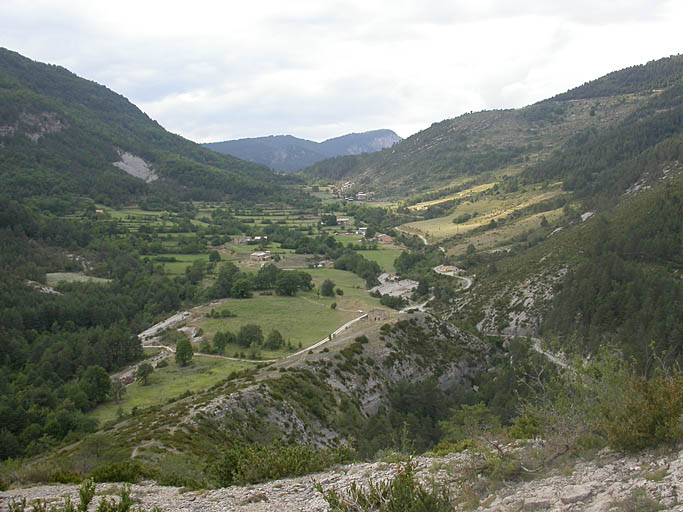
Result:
pixel 609 481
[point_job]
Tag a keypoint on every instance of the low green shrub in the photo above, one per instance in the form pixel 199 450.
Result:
pixel 638 501
pixel 250 463
pixel 85 494
pixel 646 412
pixel 64 476
pixel 126 471
pixel 402 493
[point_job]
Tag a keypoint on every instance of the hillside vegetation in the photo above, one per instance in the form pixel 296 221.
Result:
pixel 494 143
pixel 60 135
pixel 546 292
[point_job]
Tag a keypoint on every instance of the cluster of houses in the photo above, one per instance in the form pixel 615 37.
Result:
pixel 260 256
pixel 360 196
pixel 251 240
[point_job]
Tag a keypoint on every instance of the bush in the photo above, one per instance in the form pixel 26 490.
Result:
pixel 252 463
pixel 327 288
pixel 403 493
pixel 126 471
pixel 392 302
pixel 647 412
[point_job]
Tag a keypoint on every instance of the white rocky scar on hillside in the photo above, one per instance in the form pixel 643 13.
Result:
pixel 605 483
pixel 34 126
pixel 135 166
pixel 523 305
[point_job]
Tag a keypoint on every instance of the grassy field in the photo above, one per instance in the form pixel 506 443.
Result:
pixel 458 195
pixel 385 256
pixel 483 211
pixel 304 319
pixel 501 235
pixel 182 262
pixel 53 278
pixel 169 382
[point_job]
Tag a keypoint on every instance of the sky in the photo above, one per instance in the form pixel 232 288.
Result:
pixel 220 70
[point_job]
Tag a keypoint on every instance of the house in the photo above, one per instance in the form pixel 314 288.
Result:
pixel 384 239
pixel 343 221
pixel 361 196
pixel 260 256
pixel 246 240
pixel 362 231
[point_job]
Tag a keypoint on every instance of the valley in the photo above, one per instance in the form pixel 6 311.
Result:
pixel 501 291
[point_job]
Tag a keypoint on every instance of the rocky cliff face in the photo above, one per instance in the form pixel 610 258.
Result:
pixel 302 399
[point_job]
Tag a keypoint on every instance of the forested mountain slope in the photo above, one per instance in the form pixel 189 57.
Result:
pixel 285 153
pixel 60 136
pixel 510 141
pixel 614 278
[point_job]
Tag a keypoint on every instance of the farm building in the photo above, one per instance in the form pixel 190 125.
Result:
pixel 260 256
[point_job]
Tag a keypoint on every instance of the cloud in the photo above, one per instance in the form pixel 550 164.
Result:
pixel 218 70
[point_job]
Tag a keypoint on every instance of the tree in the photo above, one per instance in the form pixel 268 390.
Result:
pixel 241 289
pixel 287 284
pixel 95 383
pixel 250 334
pixel 221 339
pixel 214 256
pixel 118 389
pixel 183 352
pixel 274 340
pixel 143 372
pixel 327 288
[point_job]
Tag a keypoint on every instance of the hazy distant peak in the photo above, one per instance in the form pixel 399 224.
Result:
pixel 286 153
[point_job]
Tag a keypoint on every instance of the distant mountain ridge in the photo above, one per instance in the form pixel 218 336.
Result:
pixel 66 137
pixel 286 153
pixel 506 142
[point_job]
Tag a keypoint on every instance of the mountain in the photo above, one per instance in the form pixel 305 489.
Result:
pixel 285 153
pixel 499 142
pixel 558 321
pixel 64 137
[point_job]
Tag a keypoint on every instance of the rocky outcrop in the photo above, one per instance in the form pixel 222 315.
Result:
pixel 608 482
pixel 34 126
pixel 135 166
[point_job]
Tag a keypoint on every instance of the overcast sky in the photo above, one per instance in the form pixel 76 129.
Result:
pixel 218 70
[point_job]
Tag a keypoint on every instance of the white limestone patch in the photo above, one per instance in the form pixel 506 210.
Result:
pixel 34 126
pixel 135 166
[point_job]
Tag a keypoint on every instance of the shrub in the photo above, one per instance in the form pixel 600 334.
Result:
pixel 639 501
pixel 126 471
pixel 327 288
pixel 646 412
pixel 402 493
pixel 252 463
pixel 85 494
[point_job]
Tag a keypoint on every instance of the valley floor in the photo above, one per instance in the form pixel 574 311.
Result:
pixel 607 482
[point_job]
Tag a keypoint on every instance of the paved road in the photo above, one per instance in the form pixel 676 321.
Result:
pixel 468 280
pixel 424 240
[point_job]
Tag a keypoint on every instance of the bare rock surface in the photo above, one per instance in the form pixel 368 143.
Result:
pixel 599 484
pixel 135 166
